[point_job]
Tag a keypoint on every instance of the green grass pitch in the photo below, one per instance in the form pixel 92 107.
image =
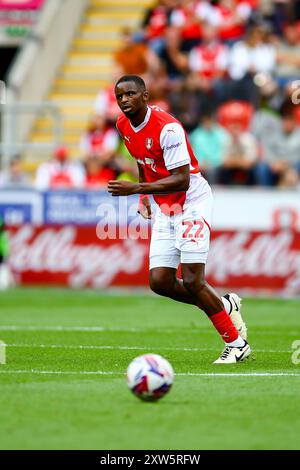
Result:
pixel 63 385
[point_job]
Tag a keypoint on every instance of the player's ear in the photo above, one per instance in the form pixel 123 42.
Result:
pixel 146 95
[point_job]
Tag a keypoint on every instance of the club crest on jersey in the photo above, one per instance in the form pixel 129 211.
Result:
pixel 149 143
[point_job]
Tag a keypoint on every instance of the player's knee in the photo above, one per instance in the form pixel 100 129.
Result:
pixel 193 284
pixel 159 284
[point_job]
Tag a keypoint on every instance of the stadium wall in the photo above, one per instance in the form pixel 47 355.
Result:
pixel 88 239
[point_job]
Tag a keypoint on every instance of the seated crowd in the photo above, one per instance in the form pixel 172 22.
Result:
pixel 229 70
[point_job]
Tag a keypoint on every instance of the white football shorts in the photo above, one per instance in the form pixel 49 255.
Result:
pixel 182 238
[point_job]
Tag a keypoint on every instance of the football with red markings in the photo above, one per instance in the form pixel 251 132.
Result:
pixel 150 377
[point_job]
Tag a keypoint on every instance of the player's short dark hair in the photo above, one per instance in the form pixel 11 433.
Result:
pixel 133 78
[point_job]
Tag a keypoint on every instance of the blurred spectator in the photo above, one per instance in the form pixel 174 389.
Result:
pixel 288 55
pixel 254 55
pixel 209 61
pixel 97 175
pixel 235 111
pixel 60 172
pixel 285 11
pixel 159 92
pixel 187 18
pixel 240 157
pixel 15 176
pixel 291 98
pixel 281 152
pixel 221 55
pixel 101 140
pixel 209 141
pixel 266 120
pixel 173 60
pixel 126 165
pixel 135 58
pixel 106 104
pixel 99 145
pixel 187 103
pixel 231 17
pixel 155 24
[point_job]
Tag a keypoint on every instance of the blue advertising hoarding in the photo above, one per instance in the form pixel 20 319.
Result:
pixel 60 207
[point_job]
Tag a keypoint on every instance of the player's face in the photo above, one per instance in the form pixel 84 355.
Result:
pixel 130 98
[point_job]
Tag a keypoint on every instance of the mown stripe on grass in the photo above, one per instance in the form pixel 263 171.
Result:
pixel 126 348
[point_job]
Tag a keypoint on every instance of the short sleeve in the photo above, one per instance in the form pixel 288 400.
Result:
pixel 174 146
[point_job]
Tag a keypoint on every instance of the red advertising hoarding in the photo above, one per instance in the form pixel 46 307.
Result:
pixel 74 256
pixel 19 13
pixel 21 4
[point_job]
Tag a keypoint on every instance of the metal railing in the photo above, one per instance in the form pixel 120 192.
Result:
pixel 10 115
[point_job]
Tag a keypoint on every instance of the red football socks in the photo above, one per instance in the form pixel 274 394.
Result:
pixel 223 324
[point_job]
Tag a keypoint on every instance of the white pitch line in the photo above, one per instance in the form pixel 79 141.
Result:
pixel 237 374
pixel 63 328
pixel 104 347
pixel 188 374
pixel 127 348
pixel 60 372
pixel 194 330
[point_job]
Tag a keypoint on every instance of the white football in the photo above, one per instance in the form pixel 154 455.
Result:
pixel 150 377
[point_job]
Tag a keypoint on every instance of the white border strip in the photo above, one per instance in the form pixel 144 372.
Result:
pixel 192 374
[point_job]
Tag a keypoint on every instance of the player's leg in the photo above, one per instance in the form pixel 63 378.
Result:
pixel 233 306
pixel 205 296
pixel 164 261
pixel 164 281
pixel 209 301
pixel 192 229
pixel 195 290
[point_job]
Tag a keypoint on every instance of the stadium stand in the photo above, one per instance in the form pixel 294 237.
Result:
pixel 232 59
pixel 88 66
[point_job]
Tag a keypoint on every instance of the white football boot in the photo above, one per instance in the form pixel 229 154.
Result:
pixel 232 355
pixel 235 313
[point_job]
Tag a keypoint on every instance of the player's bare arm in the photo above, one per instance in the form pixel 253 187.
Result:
pixel 144 207
pixel 178 181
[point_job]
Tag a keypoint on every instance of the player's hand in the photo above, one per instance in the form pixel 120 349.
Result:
pixel 122 188
pixel 144 208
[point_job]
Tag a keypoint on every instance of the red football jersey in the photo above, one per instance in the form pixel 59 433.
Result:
pixel 160 144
